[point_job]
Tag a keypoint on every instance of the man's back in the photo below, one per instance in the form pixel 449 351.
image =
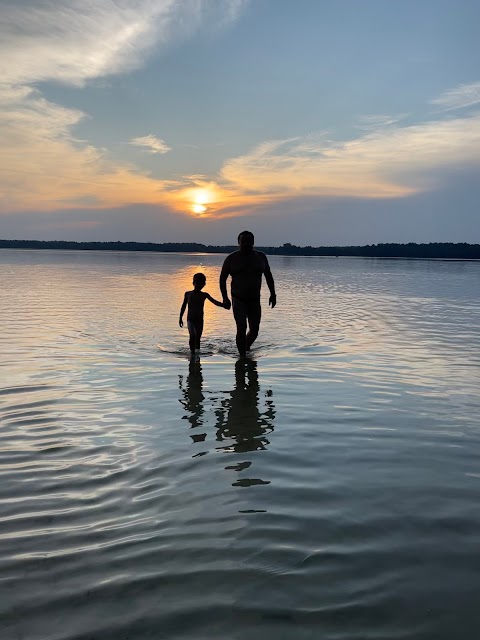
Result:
pixel 246 270
pixel 246 267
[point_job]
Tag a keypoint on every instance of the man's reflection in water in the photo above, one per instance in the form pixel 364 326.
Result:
pixel 192 401
pixel 239 417
pixel 240 423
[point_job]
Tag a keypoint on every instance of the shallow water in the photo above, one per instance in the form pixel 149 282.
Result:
pixel 325 488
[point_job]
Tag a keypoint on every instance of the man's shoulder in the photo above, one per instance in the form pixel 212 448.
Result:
pixel 231 256
pixel 262 256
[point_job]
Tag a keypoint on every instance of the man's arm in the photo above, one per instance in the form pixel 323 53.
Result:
pixel 271 284
pixel 224 273
pixel 182 310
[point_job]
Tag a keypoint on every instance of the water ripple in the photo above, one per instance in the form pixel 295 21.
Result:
pixel 327 487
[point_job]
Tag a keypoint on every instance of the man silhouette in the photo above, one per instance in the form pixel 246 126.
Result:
pixel 246 267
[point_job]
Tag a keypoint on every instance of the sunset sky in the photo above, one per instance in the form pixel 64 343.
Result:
pixel 307 121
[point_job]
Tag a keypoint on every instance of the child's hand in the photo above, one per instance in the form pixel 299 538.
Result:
pixel 226 303
pixel 180 323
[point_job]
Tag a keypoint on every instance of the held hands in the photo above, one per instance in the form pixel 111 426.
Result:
pixel 272 301
pixel 226 303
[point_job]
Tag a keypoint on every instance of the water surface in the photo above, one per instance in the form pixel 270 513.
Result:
pixel 327 487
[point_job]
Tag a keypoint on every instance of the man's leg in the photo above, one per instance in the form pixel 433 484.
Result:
pixel 254 317
pixel 240 315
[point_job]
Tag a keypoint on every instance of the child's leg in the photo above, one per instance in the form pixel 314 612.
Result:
pixel 198 334
pixel 195 330
pixel 192 335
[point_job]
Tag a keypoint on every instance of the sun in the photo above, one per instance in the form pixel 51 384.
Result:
pixel 199 208
pixel 201 198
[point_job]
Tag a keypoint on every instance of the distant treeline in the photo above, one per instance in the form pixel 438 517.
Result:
pixel 451 250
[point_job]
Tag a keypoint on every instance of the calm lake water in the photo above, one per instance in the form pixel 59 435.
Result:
pixel 326 488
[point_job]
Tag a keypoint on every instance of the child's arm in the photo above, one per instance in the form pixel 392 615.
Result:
pixel 182 310
pixel 216 302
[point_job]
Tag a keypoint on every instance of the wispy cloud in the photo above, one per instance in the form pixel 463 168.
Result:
pixel 389 162
pixel 42 163
pixel 77 40
pixel 461 97
pixel 377 121
pixel 151 143
pixel 43 167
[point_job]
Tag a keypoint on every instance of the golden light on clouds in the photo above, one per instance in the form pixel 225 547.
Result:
pixel 44 167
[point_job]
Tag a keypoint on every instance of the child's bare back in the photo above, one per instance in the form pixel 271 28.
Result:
pixel 195 301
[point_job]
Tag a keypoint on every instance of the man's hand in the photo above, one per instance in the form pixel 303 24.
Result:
pixel 272 300
pixel 180 323
pixel 226 303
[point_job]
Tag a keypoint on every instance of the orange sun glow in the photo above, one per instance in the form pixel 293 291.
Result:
pixel 200 197
pixel 199 208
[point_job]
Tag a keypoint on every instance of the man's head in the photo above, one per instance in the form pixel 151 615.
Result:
pixel 246 241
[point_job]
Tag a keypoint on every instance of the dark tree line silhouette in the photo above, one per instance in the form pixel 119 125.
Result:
pixel 446 250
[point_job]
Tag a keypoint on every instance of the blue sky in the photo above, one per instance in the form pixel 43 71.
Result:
pixel 307 121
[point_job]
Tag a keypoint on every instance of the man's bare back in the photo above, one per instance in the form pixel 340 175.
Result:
pixel 246 267
pixel 246 271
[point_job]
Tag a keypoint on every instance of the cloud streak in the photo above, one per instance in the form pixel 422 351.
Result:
pixel 77 40
pixel 151 143
pixel 388 163
pixel 461 97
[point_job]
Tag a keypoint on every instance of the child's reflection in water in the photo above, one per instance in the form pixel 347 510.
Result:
pixel 193 397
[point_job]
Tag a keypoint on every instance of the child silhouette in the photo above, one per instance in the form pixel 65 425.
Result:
pixel 195 301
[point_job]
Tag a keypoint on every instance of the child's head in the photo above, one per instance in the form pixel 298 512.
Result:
pixel 199 280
